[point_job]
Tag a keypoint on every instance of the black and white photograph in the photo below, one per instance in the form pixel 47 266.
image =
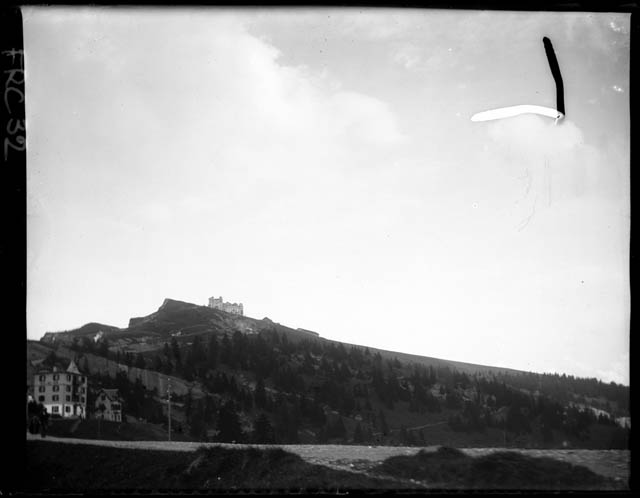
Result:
pixel 326 249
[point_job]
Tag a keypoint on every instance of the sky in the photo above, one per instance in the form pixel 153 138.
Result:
pixel 320 166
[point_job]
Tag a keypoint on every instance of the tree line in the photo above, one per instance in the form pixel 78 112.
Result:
pixel 312 385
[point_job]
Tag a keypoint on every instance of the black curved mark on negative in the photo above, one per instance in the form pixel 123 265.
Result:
pixel 555 71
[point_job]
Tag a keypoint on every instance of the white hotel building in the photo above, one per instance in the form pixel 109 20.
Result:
pixel 63 393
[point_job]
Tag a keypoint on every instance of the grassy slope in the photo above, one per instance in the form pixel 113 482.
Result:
pixel 174 315
pixel 60 467
pixel 112 431
pixel 449 468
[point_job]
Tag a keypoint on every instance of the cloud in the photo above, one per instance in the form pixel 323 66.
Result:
pixel 364 117
pixel 175 130
pixel 381 24
pixel 619 371
pixel 408 55
pixel 534 163
pixel 536 152
pixel 155 212
pixel 530 142
pixel 197 154
pixel 154 91
pixel 534 136
pixel 537 168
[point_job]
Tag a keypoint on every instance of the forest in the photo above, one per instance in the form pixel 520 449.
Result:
pixel 264 388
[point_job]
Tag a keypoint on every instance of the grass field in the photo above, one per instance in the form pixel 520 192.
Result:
pixel 113 431
pixel 449 468
pixel 55 467
pixel 59 467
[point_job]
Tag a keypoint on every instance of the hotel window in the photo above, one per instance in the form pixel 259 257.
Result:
pixel 42 378
pixel 41 389
pixel 68 398
pixel 68 376
pixel 82 390
pixel 68 388
pixel 55 397
pixel 41 398
pixel 54 409
pixel 56 388
pixel 67 409
pixel 56 377
pixel 82 399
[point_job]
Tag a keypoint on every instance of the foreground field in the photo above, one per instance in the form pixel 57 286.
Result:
pixel 57 463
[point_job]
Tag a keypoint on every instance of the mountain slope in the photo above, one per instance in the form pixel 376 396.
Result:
pixel 236 377
pixel 181 319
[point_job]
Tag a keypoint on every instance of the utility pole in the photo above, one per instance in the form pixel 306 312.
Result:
pixel 169 405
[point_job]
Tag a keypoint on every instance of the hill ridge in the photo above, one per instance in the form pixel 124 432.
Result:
pixel 148 324
pixel 219 319
pixel 270 377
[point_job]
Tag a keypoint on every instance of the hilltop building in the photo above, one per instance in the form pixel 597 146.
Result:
pixel 110 400
pixel 219 304
pixel 311 332
pixel 63 393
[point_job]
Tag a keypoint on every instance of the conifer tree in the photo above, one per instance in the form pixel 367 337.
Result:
pixel 263 430
pixel 188 404
pixel 212 352
pixel 337 429
pixel 358 436
pixel 210 409
pixel 168 367
pixel 158 366
pixel 226 351
pixel 197 427
pixel 229 429
pixel 103 348
pixel 384 428
pixel 260 395
pixel 140 363
pixel 175 349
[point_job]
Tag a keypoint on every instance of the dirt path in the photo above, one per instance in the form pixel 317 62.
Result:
pixel 609 463
pixel 416 428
